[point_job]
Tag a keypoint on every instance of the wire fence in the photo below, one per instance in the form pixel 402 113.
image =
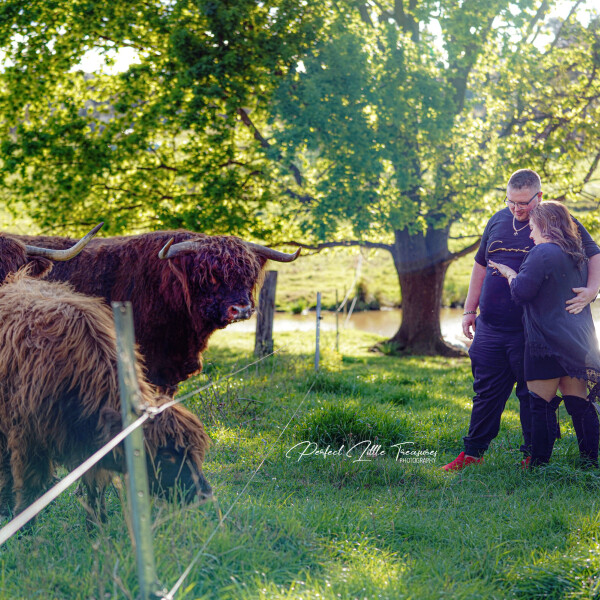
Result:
pixel 171 594
pixel 147 412
pixel 34 509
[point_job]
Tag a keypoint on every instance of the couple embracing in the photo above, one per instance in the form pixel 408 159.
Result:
pixel 535 273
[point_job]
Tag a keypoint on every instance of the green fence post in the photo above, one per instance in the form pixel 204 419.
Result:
pixel 137 479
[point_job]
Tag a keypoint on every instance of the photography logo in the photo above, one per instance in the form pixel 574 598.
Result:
pixel 365 451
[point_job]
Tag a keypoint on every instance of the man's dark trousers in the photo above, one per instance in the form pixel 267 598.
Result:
pixel 497 364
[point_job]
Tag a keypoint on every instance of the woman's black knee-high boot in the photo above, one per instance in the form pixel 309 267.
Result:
pixel 587 427
pixel 543 428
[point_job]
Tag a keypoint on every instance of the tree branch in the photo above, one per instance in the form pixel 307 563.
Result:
pixel 454 255
pixel 122 43
pixel 304 199
pixel 539 16
pixel 559 32
pixel 385 13
pixel 342 243
pixel 592 169
pixel 471 54
pixel 405 19
pixel 265 144
pixel 364 15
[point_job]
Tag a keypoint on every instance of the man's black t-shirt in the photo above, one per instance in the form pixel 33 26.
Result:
pixel 500 244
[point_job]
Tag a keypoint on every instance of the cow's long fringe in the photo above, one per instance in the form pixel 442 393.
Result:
pixel 215 260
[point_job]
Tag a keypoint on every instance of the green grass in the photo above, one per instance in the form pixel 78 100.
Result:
pixel 336 270
pixel 333 527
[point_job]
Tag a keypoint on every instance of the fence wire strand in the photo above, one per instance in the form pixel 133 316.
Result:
pixel 147 412
pixel 171 594
pixel 179 399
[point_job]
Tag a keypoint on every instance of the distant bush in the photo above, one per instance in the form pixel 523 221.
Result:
pixel 364 299
pixel 299 306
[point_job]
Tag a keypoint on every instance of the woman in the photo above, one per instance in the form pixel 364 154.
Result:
pixel 561 349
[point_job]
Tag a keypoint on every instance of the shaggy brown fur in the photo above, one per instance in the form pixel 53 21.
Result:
pixel 59 394
pixel 13 256
pixel 177 303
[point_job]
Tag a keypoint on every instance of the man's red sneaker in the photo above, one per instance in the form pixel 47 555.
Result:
pixel 460 462
pixel 525 463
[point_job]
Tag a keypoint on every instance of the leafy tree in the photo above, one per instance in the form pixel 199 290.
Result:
pixel 161 144
pixel 410 115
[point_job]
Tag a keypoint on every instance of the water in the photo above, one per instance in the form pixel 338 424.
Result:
pixel 381 322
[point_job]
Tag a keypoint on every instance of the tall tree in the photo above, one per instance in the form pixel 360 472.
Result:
pixel 409 115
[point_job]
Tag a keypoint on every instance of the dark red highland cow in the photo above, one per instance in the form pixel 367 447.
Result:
pixel 59 395
pixel 201 284
pixel 15 254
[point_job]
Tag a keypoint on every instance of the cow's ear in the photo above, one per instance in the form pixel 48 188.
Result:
pixel 39 267
pixel 109 423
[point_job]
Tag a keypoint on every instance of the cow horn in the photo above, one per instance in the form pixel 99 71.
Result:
pixel 67 254
pixel 163 252
pixel 170 250
pixel 271 254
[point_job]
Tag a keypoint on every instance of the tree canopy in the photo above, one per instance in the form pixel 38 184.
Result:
pixel 410 115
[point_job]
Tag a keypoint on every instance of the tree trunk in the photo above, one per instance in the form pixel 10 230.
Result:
pixel 421 262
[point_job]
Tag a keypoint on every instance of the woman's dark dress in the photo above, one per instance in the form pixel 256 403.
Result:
pixel 565 341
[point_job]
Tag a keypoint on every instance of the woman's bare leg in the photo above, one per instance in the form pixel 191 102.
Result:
pixel 544 388
pixel 570 386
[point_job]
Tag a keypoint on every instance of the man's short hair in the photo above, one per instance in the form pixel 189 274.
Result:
pixel 525 178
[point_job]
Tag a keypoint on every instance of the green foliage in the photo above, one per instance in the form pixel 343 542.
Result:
pixel 411 130
pixel 383 119
pixel 161 144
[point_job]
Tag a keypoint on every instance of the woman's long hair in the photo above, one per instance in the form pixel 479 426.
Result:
pixel 556 224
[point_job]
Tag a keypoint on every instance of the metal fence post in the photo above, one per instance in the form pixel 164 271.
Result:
pixel 337 323
pixel 318 330
pixel 137 480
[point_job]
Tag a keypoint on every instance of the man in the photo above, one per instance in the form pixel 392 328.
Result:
pixel 497 350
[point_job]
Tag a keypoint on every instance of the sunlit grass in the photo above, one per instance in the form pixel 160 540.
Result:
pixel 331 527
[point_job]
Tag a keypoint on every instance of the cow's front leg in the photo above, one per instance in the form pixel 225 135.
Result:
pixel 31 470
pixel 96 481
pixel 7 499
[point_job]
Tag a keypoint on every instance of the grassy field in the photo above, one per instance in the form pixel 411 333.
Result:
pixel 332 527
pixel 371 274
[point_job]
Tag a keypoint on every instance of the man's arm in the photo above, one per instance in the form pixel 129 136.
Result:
pixel 472 301
pixel 587 294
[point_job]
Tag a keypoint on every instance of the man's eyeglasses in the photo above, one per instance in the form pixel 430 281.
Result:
pixel 521 204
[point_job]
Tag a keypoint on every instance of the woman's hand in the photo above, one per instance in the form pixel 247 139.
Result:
pixel 503 270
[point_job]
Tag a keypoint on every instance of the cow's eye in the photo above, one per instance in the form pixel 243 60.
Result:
pixel 168 457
